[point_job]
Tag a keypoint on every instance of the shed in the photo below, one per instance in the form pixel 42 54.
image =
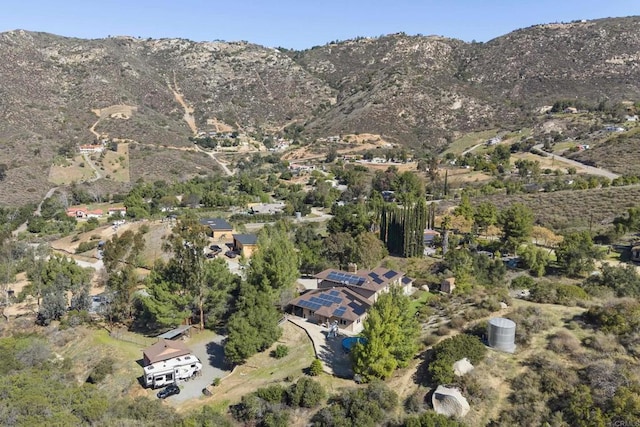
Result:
pixel 177 333
pixel 448 285
pixel 218 227
pixel 245 244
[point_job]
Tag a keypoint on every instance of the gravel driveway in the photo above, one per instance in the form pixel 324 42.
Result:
pixel 211 354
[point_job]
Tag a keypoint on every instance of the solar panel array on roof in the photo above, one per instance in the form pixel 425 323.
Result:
pixel 339 312
pixel 389 274
pixel 375 278
pixel 334 293
pixel 357 308
pixel 310 305
pixel 349 279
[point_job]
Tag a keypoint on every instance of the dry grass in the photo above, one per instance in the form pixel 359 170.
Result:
pixel 115 164
pixel 574 209
pixel 71 172
pixel 469 140
pixel 619 153
pixel 261 370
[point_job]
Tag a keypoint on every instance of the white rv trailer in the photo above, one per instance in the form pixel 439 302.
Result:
pixel 170 371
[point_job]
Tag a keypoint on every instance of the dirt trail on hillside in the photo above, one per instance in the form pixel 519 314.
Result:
pixel 121 111
pixel 188 111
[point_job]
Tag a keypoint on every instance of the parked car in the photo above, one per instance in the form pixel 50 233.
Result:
pixel 215 248
pixel 231 254
pixel 169 390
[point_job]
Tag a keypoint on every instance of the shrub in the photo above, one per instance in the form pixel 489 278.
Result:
pixel 272 394
pixel 316 368
pixel 529 320
pixel 306 393
pixel 447 352
pixel 563 342
pixel 101 370
pixel 86 246
pixel 522 282
pixel 280 351
pixel 415 402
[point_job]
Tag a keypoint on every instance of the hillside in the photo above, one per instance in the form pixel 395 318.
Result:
pixel 59 93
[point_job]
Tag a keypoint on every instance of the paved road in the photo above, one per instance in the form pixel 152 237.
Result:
pixel 591 170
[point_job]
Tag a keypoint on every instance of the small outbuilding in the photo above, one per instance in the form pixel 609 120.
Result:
pixel 178 333
pixel 217 227
pixel 245 244
pixel 448 285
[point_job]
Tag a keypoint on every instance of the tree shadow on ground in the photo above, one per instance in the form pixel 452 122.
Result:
pixel 333 355
pixel 216 359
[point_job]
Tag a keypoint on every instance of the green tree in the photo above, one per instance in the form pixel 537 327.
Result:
pixel 485 215
pixel 253 327
pixel 391 333
pixel 274 266
pixel 369 250
pixel 624 280
pixel 576 253
pixel 535 259
pixel 516 222
pixel 464 209
pixel 449 351
pixel 187 242
pixel 306 393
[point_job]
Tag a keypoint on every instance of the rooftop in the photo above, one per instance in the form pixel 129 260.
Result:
pixel 340 303
pixel 216 223
pixel 169 335
pixel 164 350
pixel 246 239
pixel 375 279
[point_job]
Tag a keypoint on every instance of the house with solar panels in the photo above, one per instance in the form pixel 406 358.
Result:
pixel 327 306
pixel 367 283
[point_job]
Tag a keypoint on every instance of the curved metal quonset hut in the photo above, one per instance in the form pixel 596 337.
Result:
pixel 502 334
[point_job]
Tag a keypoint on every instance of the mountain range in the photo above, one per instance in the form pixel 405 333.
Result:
pixel 419 91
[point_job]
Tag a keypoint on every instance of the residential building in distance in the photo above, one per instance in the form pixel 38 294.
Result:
pixel 83 212
pixel 219 228
pixel 117 210
pixel 245 244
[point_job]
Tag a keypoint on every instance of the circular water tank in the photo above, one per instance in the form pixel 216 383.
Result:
pixel 502 334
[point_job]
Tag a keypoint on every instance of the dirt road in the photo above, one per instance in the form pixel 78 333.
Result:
pixel 188 111
pixel 23 226
pixel 211 154
pixel 591 170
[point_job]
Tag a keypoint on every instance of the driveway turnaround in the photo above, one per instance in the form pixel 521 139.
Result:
pixel 211 355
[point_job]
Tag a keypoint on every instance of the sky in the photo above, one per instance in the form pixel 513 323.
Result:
pixel 297 24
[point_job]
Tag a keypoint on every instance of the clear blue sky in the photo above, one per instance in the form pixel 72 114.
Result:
pixel 297 24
